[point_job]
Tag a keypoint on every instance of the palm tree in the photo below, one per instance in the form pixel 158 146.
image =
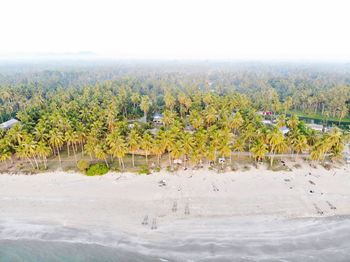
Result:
pixel 259 150
pixel 145 105
pixel 167 137
pixel 158 149
pixel 210 115
pixel 169 101
pixel 298 143
pixel 4 156
pixel 277 143
pixel 117 145
pixel 196 119
pixel 293 122
pixel 101 152
pixel 176 150
pixel 43 151
pixel 56 141
pixel 188 144
pixel 236 122
pixel 147 144
pixel 134 141
pixel 135 99
pixel 90 145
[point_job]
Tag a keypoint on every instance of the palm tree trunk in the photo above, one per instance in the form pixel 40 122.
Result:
pixel 68 149
pixel 45 162
pixel 30 161
pixel 106 162
pixel 146 158
pixel 36 162
pixel 133 159
pixel 59 156
pixel 122 162
pixel 75 155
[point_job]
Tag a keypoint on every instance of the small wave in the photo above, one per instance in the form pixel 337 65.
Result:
pixel 218 239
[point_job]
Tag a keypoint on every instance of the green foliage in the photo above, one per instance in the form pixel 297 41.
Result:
pixel 83 165
pixel 144 170
pixel 98 169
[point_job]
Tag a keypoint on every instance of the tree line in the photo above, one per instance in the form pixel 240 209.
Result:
pixel 199 125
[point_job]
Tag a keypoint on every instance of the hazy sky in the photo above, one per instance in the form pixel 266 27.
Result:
pixel 232 29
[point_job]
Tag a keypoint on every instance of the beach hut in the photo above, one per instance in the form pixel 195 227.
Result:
pixel 158 119
pixel 8 124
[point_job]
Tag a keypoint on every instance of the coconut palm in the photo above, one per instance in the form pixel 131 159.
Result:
pixel 147 144
pixel 43 151
pixel 158 149
pixel 100 152
pixel 259 150
pixel 277 143
pixel 117 145
pixel 56 141
pixel 196 119
pixel 167 138
pixel 188 145
pixel 133 141
pixel 4 156
pixel 145 105
pixel 293 122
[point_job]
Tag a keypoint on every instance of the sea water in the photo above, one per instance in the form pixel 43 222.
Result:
pixel 199 239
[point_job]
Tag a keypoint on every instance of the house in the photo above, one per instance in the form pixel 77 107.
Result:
pixel 158 119
pixel 267 122
pixel 8 124
pixel 316 127
pixel 265 113
pixel 284 130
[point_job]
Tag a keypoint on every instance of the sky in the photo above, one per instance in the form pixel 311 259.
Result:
pixel 178 29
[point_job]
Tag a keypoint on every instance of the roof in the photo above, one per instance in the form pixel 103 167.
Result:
pixel 157 115
pixel 8 124
pixel 284 130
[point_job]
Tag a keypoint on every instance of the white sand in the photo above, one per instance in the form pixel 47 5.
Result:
pixel 122 200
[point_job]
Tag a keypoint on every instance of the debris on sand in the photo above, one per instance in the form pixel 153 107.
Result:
pixel 187 210
pixel 215 189
pixel 319 211
pixel 162 183
pixel 154 224
pixel 145 220
pixel 330 205
pixel 312 183
pixel 174 209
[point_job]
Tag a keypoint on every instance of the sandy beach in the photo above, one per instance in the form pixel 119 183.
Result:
pixel 123 200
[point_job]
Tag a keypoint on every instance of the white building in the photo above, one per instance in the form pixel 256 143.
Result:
pixel 8 124
pixel 158 119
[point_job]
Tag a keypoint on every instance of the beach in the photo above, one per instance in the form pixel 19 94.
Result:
pixel 164 205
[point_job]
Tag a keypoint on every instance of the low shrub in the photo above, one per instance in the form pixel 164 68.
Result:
pixel 98 169
pixel 83 165
pixel 297 166
pixel 144 170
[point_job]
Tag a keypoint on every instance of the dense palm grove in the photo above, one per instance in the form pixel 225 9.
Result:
pixel 204 119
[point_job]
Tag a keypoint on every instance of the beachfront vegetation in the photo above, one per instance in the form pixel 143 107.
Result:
pixel 203 119
pixel 97 169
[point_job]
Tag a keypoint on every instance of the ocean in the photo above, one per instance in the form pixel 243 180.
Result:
pixel 199 239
